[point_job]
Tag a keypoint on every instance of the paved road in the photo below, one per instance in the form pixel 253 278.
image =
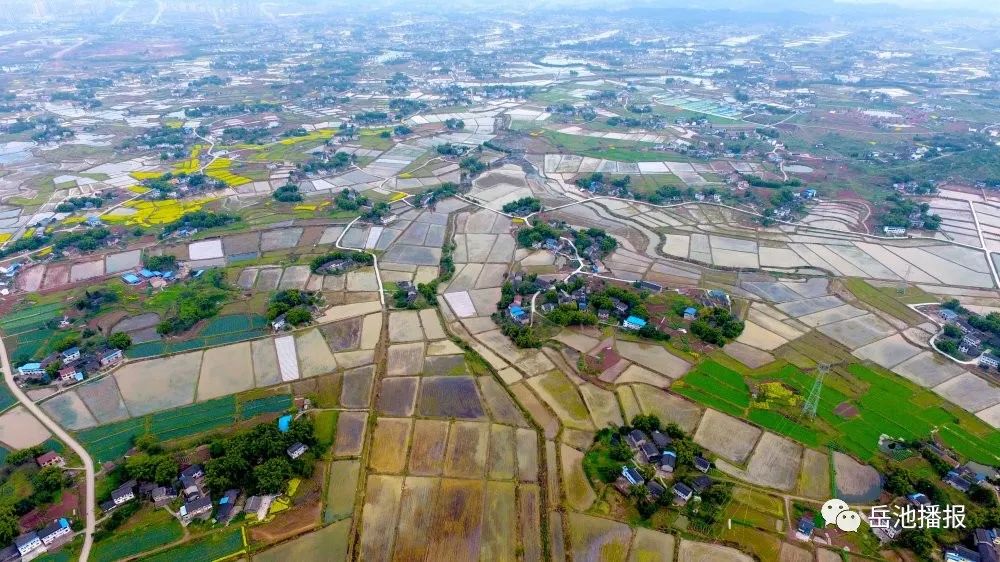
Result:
pixel 88 463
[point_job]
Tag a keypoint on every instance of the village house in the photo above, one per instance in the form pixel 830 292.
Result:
pixel 649 452
pixel 987 361
pixel 162 495
pixel 702 464
pixel 50 458
pixel 70 355
pixel 52 532
pixel 668 461
pixel 227 506
pixel 200 507
pixel 632 476
pixel 635 438
pixel 690 313
pixel 124 493
pixel 296 450
pixel 31 370
pixel 28 545
pixel 110 357
pixel 655 489
pixel 633 323
pixel 682 491
pixel 805 527
pixel 70 374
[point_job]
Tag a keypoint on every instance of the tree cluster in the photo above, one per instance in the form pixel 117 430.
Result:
pixel 295 304
pixel 256 459
pixel 716 326
pixel 201 220
pixel 288 193
pixel 196 300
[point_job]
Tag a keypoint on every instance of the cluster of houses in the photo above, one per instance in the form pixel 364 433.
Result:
pixel 71 366
pixel 972 339
pixel 156 279
pixel 655 449
pixel 36 543
pixel 197 501
pixel 32 544
pixel 190 485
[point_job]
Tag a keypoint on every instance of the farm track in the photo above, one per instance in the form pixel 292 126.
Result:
pixel 88 462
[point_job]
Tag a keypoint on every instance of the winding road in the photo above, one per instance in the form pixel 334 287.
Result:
pixel 88 463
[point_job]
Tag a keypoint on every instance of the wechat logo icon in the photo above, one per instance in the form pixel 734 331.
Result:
pixel 837 512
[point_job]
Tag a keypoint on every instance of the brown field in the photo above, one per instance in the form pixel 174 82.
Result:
pixel 341 488
pixel 670 408
pixel 527 455
pixel 378 517
pixel 350 434
pixel 398 396
pixel 328 543
pixel 726 436
pixel 537 410
pixel 651 546
pixel 405 359
pixel 594 539
pixel 502 464
pixel 302 517
pixel 430 438
pixel 357 387
pixel 602 405
pixel 792 553
pixel 389 445
pixel 457 526
pixel 415 517
pixel 856 482
pixel 528 500
pixel 579 495
pixel 629 404
pixel 774 464
pixel 691 551
pixel 343 335
pixel 814 480
pixel 467 449
pixel 499 532
pixel 502 408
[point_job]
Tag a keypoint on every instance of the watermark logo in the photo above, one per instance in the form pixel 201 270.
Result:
pixel 837 512
pixel 926 516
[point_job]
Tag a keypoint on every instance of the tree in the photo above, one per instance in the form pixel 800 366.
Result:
pixel 298 315
pixel 9 525
pixel 120 340
pixel 47 482
pixel 647 423
pixel 272 475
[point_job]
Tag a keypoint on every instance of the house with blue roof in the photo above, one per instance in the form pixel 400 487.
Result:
pixel 809 193
pixel 633 323
pixel 518 314
pixel 131 279
pixel 31 370
pixel 690 313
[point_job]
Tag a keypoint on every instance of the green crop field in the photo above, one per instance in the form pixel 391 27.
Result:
pixel 107 442
pixel 208 548
pixel 193 419
pixel 156 529
pixel 874 403
pixel 266 405
pixel 230 328
pixel 882 300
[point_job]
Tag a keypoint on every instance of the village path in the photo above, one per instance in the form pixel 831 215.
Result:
pixel 65 437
